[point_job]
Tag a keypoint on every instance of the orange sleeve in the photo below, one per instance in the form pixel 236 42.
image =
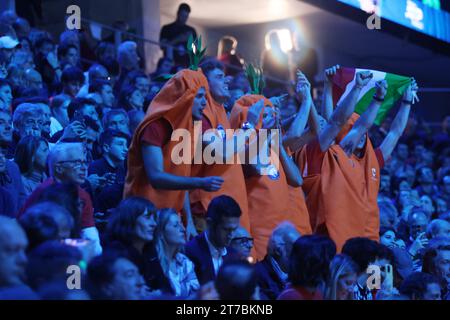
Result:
pixel 157 133
pixel 380 157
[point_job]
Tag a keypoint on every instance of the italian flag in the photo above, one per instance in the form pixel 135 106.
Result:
pixel 344 80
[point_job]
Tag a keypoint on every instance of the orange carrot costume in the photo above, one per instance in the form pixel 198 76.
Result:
pixel 341 192
pixel 268 197
pixel 174 104
pixel 232 174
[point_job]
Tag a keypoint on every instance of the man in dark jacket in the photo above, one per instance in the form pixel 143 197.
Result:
pixel 211 248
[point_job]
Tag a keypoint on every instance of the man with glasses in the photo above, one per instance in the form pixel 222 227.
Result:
pixel 242 242
pixel 67 164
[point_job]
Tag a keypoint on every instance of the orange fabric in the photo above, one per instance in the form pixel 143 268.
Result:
pixel 234 183
pixel 268 199
pixel 342 198
pixel 174 104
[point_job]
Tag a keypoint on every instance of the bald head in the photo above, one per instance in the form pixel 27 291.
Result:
pixel 438 228
pixel 13 243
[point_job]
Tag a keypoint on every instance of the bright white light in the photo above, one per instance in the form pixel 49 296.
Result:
pixel 285 37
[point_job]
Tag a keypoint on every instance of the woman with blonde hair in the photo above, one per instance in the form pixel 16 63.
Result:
pixel 343 276
pixel 171 271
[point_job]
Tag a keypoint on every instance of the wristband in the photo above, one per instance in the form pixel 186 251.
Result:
pixel 378 99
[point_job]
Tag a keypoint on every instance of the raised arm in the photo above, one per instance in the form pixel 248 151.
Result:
pixel 327 97
pixel 159 179
pixel 363 124
pixel 343 111
pixel 294 137
pixel 400 121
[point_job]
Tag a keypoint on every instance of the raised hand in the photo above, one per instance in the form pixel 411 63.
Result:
pixel 211 183
pixel 381 89
pixel 278 101
pixel 363 78
pixel 411 92
pixel 303 87
pixel 330 72
pixel 255 111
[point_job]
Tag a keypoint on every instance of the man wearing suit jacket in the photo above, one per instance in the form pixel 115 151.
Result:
pixel 211 248
pixel 272 270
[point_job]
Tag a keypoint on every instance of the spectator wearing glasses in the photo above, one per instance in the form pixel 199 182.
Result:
pixel 67 164
pixel 242 242
pixel 273 269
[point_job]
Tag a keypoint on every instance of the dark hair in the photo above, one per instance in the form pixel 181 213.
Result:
pixel 209 64
pixel 132 76
pixel 109 134
pixel 100 272
pixel 112 66
pixel 98 84
pixel 309 262
pixel 64 48
pixel 94 71
pixel 77 104
pixel 66 195
pixel 72 74
pixel 124 95
pixel 415 285
pixel 39 227
pixel 91 123
pixel 430 253
pixel 42 41
pixel 236 280
pixel 111 113
pixel 362 250
pixel 122 223
pixel 49 262
pixel 384 229
pixel 223 207
pixel 184 7
pixel 101 48
pixel 25 151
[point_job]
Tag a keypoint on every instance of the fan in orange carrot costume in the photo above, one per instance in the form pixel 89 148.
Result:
pixel 153 172
pixel 215 117
pixel 267 183
pixel 342 169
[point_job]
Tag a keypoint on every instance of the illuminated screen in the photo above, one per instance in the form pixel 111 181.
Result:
pixel 425 16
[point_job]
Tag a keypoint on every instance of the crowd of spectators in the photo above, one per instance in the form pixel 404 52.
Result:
pixel 65 127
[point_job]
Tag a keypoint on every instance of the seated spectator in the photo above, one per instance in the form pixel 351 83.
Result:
pixel 103 90
pixel 139 80
pixel 113 277
pixel 62 217
pixel 11 185
pixel 63 195
pixel 425 182
pixel 111 167
pixel 33 80
pixel 362 251
pixel 80 107
pixel 71 80
pixel 31 157
pixel 343 278
pixel 68 56
pixel 171 271
pixel 163 68
pixel 421 286
pixel 39 227
pixel 131 98
pixel 427 206
pixel 273 269
pixel 308 268
pixel 417 241
pixel 27 120
pixel 237 280
pixel 131 228
pixel 438 228
pixel 211 248
pixel 49 262
pixel 105 50
pixel 67 163
pixel 436 261
pixel 242 242
pixel 5 95
pixel 387 237
pixel 13 261
pixel 60 117
pixel 46 62
pixel 117 119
